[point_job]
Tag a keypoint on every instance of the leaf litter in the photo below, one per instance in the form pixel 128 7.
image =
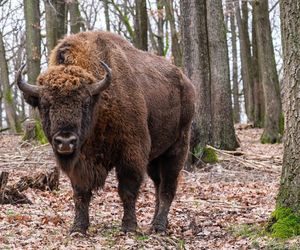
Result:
pixel 241 189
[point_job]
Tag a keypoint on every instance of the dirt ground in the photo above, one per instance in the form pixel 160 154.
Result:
pixel 211 203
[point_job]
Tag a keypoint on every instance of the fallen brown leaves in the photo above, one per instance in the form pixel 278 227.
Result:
pixel 209 202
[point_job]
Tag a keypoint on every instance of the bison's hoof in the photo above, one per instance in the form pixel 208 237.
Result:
pixel 129 227
pixel 159 226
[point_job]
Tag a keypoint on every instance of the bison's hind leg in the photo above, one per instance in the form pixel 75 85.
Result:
pixel 169 165
pixel 153 171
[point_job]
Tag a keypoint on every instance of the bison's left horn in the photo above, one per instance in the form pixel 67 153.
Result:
pixel 96 88
pixel 29 89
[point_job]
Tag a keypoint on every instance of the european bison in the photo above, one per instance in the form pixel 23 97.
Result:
pixel 136 119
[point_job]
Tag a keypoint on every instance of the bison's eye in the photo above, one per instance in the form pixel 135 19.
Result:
pixel 86 103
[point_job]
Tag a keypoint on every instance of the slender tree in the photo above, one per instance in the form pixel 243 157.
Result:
pixel 235 84
pixel 259 109
pixel 9 101
pixel 176 49
pixel 1 110
pixel 33 38
pixel 160 27
pixel 56 21
pixel 33 56
pixel 246 63
pixel 106 13
pixel 141 25
pixel 222 113
pixel 50 25
pixel 61 17
pixel 123 19
pixel 76 21
pixel 266 61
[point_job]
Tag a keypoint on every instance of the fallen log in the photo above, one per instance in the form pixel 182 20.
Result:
pixel 12 194
pixel 9 194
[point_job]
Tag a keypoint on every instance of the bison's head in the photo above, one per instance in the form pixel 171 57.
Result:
pixel 66 97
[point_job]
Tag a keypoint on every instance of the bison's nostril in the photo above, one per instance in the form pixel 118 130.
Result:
pixel 65 140
pixel 65 144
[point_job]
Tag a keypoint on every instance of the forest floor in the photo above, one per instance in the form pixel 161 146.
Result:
pixel 221 206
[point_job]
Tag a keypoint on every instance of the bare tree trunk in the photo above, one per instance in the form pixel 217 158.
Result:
pixel 106 13
pixel 160 27
pixel 33 56
pixel 289 192
pixel 176 49
pixel 268 71
pixel 55 22
pixel 235 83
pixel 197 67
pixel 222 114
pixel 75 17
pixel 141 25
pixel 152 37
pixel 61 18
pixel 245 58
pixel 9 101
pixel 1 114
pixel 259 109
pixel 50 25
pixel 33 38
pixel 1 110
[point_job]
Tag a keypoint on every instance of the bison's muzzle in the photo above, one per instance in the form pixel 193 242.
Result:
pixel 65 143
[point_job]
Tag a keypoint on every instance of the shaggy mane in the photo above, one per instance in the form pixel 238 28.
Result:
pixel 65 78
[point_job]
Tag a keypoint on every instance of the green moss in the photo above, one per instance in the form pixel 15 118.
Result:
pixel 10 212
pixel 284 223
pixel 198 151
pixel 18 127
pixel 181 244
pixel 142 237
pixel 247 231
pixel 265 139
pixel 40 135
pixel 274 136
pixel 8 97
pixel 206 154
pixel 209 155
pixel 167 46
pixel 268 138
pixel 281 124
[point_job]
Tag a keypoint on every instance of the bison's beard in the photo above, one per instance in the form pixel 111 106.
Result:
pixel 67 162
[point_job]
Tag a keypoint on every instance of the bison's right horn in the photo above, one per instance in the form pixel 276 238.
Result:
pixel 96 88
pixel 29 89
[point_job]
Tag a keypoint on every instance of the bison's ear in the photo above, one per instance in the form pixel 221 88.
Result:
pixel 31 100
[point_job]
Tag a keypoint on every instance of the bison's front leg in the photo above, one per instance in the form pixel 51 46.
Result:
pixel 82 200
pixel 129 183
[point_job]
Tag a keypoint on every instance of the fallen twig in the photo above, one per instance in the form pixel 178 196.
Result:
pixel 245 162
